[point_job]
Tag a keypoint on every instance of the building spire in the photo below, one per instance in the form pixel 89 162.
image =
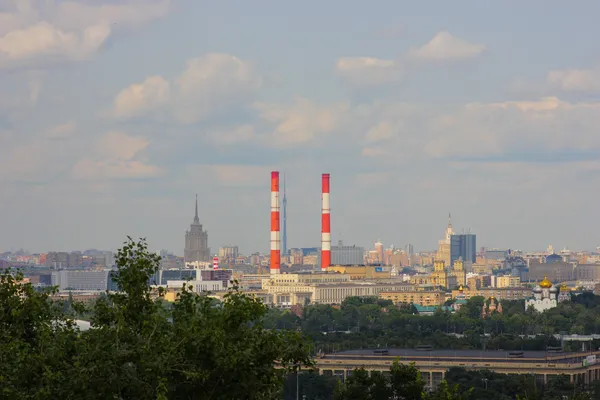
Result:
pixel 449 220
pixel 196 219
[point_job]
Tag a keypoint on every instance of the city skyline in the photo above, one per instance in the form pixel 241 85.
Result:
pixel 414 111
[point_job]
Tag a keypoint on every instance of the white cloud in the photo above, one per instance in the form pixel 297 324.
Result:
pixel 117 156
pixel 577 80
pixel 63 131
pixel 208 86
pixel 45 40
pixel 139 99
pixel 546 125
pixel 302 122
pixel 36 33
pixel 444 46
pixel 368 70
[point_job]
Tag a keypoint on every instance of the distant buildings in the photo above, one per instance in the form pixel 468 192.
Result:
pixel 81 280
pixel 496 254
pixel 196 242
pixel 544 296
pixel 443 252
pixel 229 252
pixel 463 246
pixel 347 255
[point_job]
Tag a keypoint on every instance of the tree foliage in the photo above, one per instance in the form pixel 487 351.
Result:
pixel 368 323
pixel 137 347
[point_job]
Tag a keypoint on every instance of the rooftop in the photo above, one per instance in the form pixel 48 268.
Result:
pixel 441 355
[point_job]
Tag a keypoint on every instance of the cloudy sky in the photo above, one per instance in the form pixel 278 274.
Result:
pixel 114 113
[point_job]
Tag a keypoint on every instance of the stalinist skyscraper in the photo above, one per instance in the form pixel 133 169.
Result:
pixel 196 241
pixel 443 253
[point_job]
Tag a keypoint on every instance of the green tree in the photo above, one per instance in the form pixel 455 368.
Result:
pixel 406 382
pixel 362 385
pixel 448 392
pixel 139 348
pixel 37 342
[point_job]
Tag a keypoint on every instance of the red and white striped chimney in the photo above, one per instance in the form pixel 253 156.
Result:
pixel 215 263
pixel 275 242
pixel 325 224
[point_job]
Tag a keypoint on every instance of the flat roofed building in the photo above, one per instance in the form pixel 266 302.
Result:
pixel 506 281
pixel 347 255
pixel 514 293
pixel 291 289
pixel 263 296
pixel 361 272
pixel 581 368
pixel 424 298
pixel 91 280
pixel 197 286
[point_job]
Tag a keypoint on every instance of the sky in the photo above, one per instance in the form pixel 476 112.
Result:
pixel 115 113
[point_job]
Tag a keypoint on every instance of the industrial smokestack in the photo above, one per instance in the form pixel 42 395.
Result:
pixel 275 243
pixel 325 224
pixel 215 263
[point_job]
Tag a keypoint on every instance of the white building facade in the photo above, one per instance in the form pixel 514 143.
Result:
pixel 544 296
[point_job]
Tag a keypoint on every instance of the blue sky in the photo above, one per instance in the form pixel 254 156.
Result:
pixel 113 114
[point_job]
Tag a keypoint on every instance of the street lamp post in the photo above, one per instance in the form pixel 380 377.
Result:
pixel 297 365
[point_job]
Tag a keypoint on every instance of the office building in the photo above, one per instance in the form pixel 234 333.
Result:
pixel 463 246
pixel 85 280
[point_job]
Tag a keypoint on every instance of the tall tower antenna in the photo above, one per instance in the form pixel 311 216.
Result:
pixel 275 243
pixel 325 224
pixel 284 233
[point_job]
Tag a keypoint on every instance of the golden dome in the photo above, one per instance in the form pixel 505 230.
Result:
pixel 546 284
pixel 460 288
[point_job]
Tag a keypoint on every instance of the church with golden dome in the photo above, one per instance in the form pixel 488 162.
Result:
pixel 544 296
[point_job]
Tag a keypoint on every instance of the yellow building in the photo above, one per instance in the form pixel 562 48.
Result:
pixel 514 293
pixel 458 271
pixel 438 278
pixel 361 272
pixel 424 298
pixel 507 281
pixel 323 288
pixel 443 252
pixel 482 269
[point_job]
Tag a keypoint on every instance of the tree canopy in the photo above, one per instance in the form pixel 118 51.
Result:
pixel 139 348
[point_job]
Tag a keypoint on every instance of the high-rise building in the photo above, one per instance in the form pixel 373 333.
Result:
pixel 443 252
pixel 379 251
pixel 196 241
pixel 463 246
pixel 229 252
